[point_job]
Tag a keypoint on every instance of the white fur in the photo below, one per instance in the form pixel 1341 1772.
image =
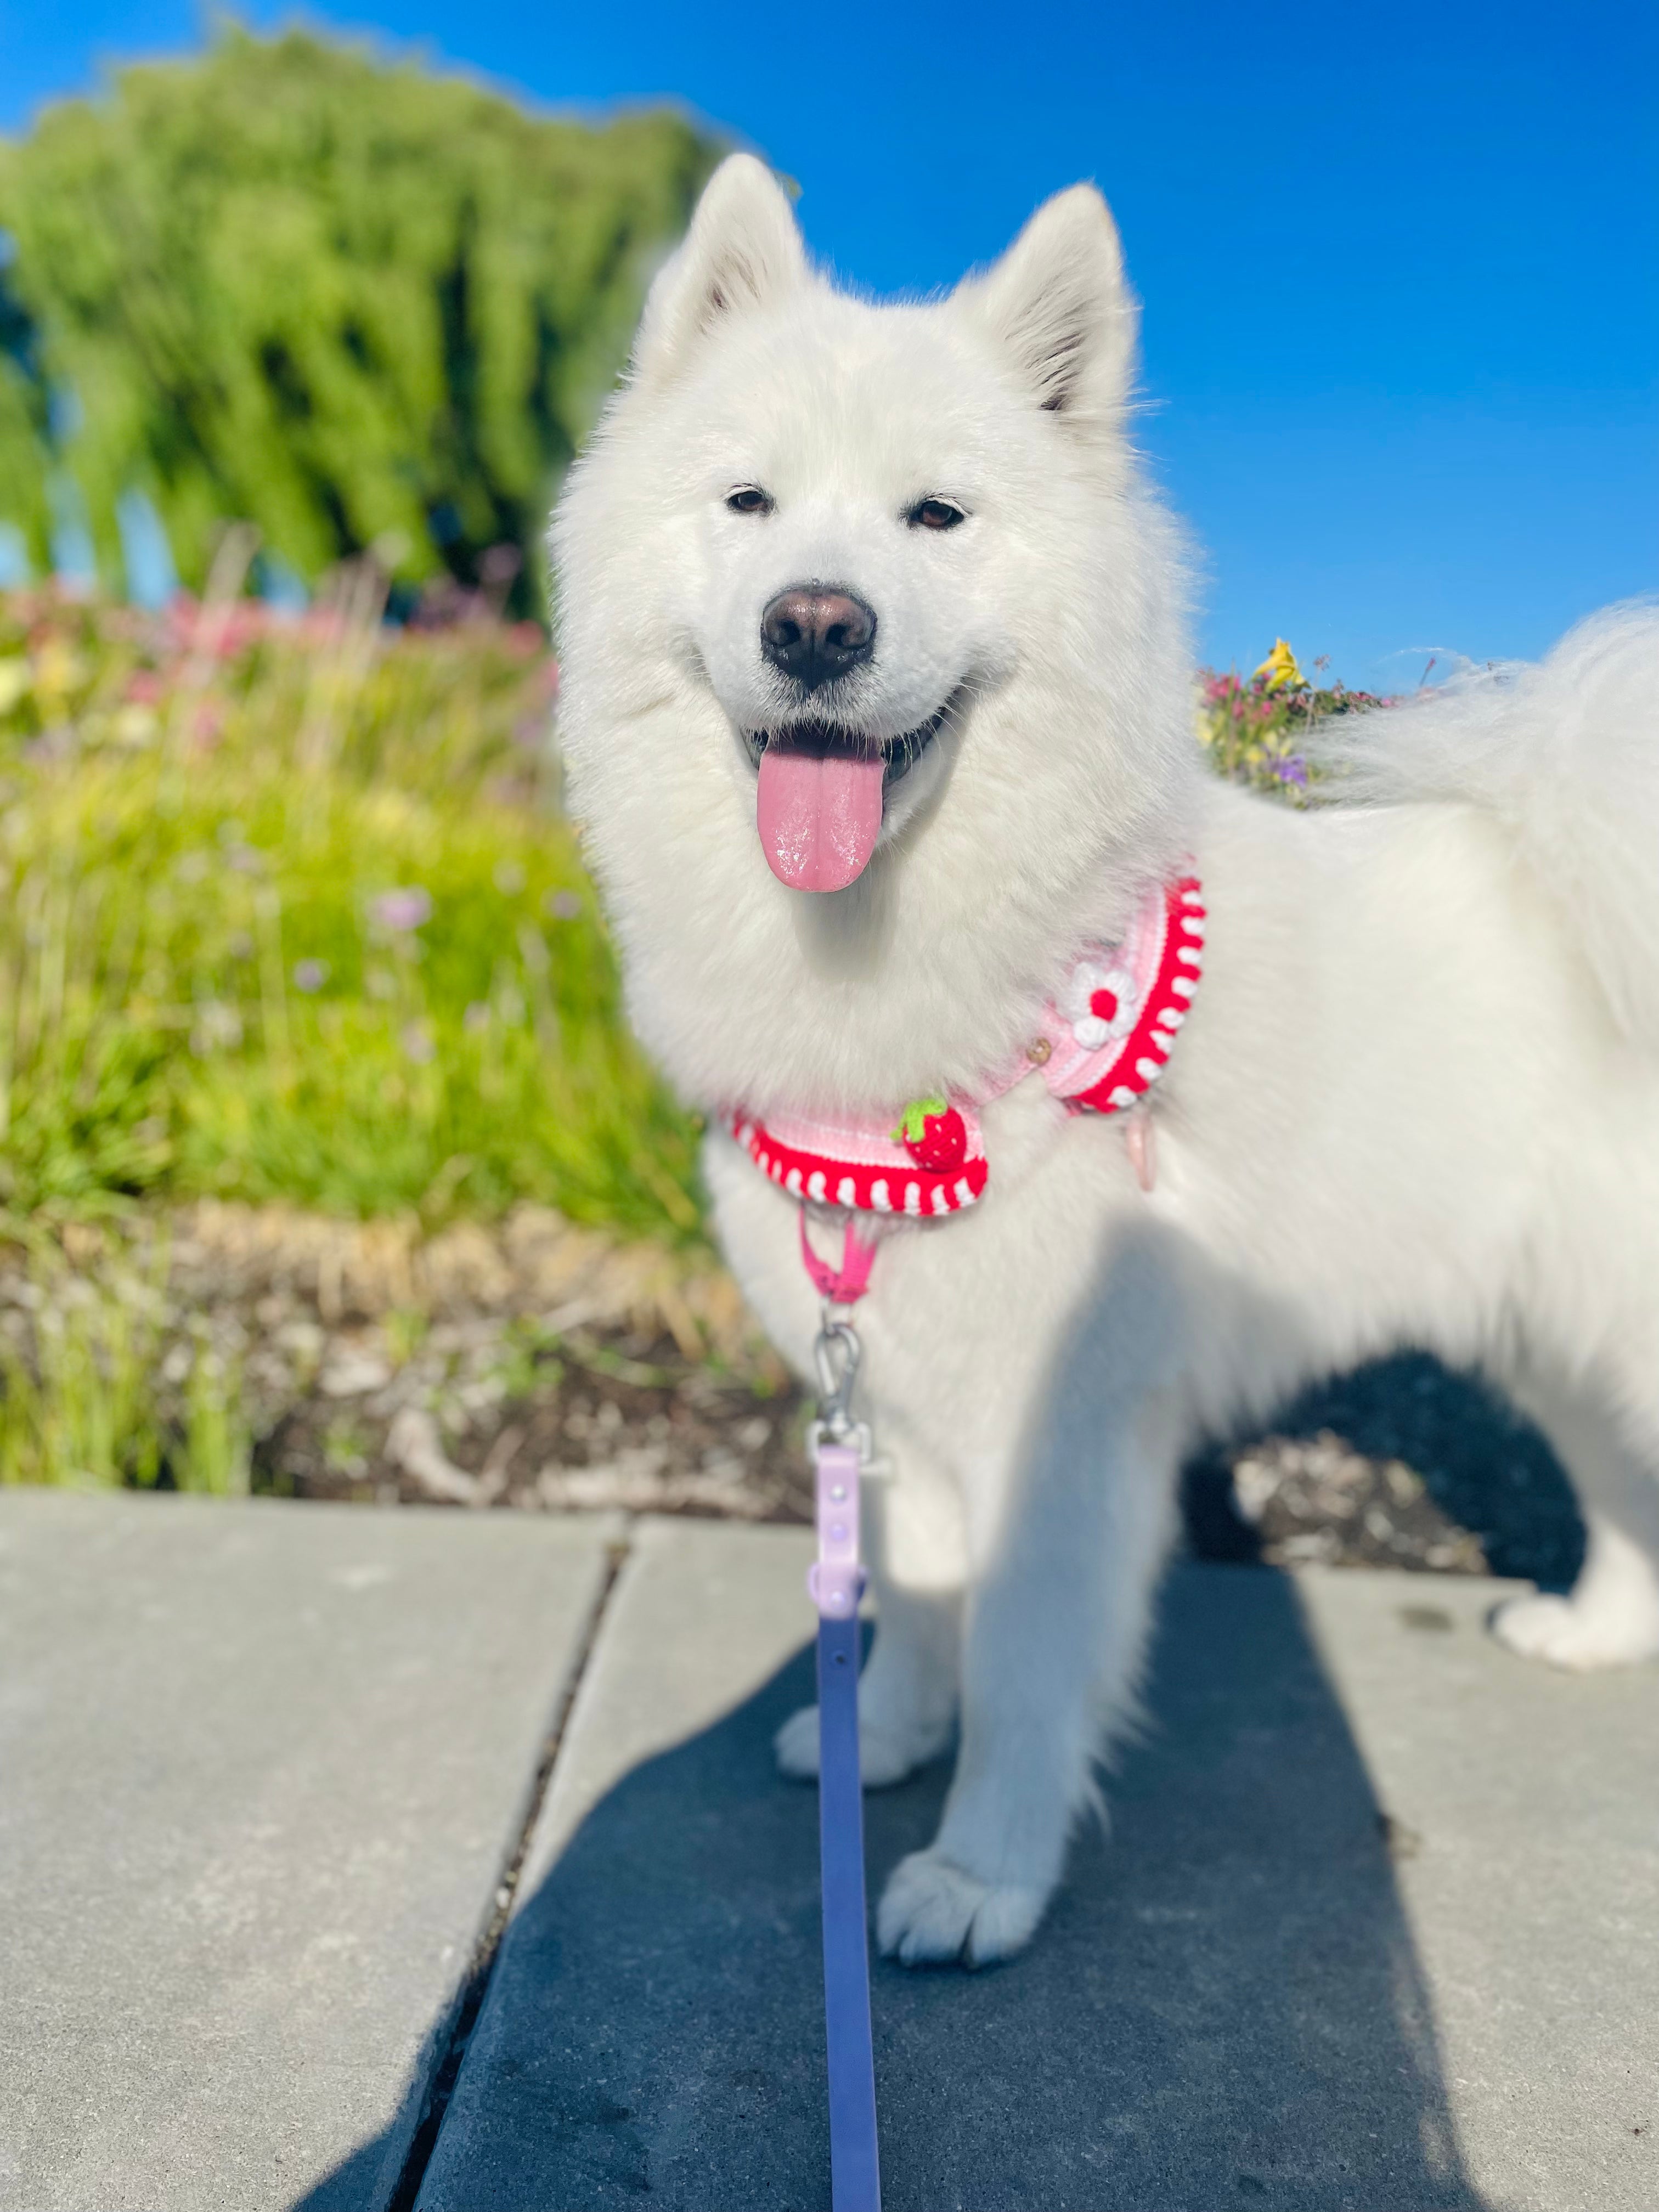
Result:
pixel 1417 1100
pixel 1565 755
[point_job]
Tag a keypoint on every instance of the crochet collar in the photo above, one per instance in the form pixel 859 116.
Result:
pixel 1102 1042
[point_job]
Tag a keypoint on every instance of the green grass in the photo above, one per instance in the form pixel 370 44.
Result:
pixel 93 1402
pixel 289 911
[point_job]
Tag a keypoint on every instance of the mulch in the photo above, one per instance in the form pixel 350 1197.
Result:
pixel 1402 1464
pixel 538 1366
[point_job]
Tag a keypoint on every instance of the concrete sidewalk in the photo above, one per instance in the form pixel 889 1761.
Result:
pixel 1378 1926
pixel 260 1766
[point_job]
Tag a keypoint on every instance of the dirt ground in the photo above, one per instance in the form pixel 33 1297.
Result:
pixel 538 1366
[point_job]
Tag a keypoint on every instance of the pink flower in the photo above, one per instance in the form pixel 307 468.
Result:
pixel 402 910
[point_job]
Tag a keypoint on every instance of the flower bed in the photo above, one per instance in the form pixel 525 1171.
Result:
pixel 1260 730
pixel 287 910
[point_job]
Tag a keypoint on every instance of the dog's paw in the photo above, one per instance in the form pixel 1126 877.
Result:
pixel 934 1913
pixel 1579 1637
pixel 886 1754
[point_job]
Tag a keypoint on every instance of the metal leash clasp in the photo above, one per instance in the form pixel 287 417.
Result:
pixel 835 1355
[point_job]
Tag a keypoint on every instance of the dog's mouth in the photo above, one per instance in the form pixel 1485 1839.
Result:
pixel 821 793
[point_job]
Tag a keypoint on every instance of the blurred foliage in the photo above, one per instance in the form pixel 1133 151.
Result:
pixel 1259 731
pixel 358 303
pixel 287 910
pixel 93 1399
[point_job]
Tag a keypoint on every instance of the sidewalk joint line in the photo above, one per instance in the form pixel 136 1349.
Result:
pixel 469 2001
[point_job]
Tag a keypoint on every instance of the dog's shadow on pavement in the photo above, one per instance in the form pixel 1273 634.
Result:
pixel 1223 2008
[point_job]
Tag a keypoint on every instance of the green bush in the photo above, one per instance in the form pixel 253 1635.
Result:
pixel 289 910
pixel 356 302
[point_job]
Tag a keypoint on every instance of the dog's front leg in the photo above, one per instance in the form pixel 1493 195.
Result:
pixel 1073 1536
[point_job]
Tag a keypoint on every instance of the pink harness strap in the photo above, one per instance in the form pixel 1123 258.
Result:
pixel 843 1286
pixel 1101 1045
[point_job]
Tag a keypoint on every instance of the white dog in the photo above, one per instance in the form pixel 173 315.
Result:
pixel 877 713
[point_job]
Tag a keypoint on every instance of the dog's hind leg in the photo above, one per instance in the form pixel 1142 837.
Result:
pixel 1069 1541
pixel 1611 1618
pixel 908 1690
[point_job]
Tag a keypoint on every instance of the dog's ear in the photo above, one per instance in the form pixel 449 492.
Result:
pixel 743 249
pixel 1058 303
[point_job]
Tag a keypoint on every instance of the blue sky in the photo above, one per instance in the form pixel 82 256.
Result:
pixel 1399 263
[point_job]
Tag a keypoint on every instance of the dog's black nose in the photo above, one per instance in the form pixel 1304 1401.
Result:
pixel 815 635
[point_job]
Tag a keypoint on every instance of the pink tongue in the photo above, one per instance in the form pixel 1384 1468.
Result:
pixel 819 818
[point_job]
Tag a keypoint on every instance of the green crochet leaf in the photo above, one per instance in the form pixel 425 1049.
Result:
pixel 912 1123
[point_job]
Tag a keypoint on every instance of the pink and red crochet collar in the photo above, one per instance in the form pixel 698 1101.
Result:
pixel 1101 1045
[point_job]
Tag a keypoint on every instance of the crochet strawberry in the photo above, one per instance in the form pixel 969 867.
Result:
pixel 933 1133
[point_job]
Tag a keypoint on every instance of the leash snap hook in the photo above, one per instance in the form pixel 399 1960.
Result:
pixel 835 1355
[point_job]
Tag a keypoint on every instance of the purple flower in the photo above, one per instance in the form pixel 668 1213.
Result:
pixel 1293 770
pixel 310 975
pixel 401 909
pixel 562 906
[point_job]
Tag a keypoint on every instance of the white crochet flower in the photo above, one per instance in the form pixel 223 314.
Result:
pixel 1099 1002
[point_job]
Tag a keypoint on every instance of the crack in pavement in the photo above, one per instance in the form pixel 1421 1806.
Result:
pixel 451 2045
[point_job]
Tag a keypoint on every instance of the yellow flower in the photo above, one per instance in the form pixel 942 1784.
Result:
pixel 134 726
pixel 1279 668
pixel 58 672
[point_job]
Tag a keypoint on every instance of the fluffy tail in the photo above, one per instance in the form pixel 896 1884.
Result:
pixel 1565 752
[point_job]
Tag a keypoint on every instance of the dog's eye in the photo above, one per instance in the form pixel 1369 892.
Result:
pixel 935 514
pixel 749 498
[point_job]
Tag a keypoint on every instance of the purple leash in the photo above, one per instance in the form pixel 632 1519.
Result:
pixel 840 1449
